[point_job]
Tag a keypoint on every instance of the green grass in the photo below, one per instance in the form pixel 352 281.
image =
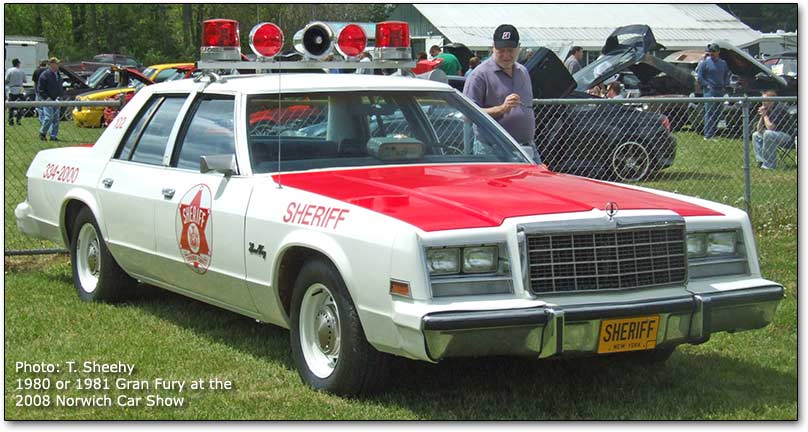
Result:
pixel 749 375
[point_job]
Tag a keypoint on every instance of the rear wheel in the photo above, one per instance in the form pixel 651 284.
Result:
pixel 328 344
pixel 630 162
pixel 96 275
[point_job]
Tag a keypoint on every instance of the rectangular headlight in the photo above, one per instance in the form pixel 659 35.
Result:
pixel 721 243
pixel 443 261
pixel 480 259
pixel 696 245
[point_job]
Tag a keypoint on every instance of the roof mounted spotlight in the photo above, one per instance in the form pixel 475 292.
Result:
pixel 351 41
pixel 266 40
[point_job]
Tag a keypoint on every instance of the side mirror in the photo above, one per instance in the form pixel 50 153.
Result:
pixel 225 164
pixel 533 153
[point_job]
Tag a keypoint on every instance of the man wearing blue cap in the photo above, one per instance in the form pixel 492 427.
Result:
pixel 713 75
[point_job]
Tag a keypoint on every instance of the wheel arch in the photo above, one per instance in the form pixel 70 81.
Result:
pixel 73 202
pixel 296 249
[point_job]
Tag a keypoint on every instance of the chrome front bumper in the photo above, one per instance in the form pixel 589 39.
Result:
pixel 574 330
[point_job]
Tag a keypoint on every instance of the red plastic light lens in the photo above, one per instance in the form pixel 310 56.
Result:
pixel 220 33
pixel 351 40
pixel 266 39
pixel 392 34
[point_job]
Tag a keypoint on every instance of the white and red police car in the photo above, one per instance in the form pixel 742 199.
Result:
pixel 377 215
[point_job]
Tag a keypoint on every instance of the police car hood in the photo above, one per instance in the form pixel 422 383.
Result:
pixel 444 197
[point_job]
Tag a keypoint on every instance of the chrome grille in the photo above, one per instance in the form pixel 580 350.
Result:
pixel 616 258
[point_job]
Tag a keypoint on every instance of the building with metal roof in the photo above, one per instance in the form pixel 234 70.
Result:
pixel 676 26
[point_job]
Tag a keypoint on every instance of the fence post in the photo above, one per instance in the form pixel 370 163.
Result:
pixel 746 161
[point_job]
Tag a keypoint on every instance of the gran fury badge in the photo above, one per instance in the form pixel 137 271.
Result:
pixel 193 226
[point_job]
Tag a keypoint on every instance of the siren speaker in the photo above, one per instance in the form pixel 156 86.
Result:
pixel 315 41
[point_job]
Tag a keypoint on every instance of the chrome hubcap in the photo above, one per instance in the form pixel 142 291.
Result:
pixel 319 330
pixel 326 324
pixel 88 258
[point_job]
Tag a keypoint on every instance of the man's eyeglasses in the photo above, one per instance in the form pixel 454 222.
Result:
pixel 713 51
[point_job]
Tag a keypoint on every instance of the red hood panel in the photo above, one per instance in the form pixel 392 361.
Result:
pixel 444 197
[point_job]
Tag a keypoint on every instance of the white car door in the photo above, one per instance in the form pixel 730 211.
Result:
pixel 200 227
pixel 131 184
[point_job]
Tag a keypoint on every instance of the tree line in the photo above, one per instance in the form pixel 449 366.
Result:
pixel 159 33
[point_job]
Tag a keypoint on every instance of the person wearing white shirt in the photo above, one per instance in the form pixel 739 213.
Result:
pixel 15 78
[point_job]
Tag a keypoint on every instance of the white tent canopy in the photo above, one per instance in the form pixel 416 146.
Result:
pixel 676 26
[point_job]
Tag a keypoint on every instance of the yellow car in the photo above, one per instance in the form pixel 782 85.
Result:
pixel 130 79
pixel 161 72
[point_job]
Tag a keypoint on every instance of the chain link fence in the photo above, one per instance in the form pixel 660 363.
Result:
pixel 653 142
pixel 22 142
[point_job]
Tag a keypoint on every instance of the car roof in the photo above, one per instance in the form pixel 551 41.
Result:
pixel 307 83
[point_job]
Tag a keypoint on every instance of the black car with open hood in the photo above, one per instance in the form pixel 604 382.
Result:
pixel 599 140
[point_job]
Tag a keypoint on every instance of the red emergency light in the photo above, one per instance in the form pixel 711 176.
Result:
pixel 266 40
pixel 351 41
pixel 392 41
pixel 220 40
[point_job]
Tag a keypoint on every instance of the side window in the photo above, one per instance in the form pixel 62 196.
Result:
pixel 210 132
pixel 125 151
pixel 150 144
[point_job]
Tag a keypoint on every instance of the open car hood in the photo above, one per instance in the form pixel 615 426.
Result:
pixel 742 64
pixel 550 79
pixel 651 66
pixel 625 47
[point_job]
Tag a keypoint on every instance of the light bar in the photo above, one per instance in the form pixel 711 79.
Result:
pixel 266 40
pixel 220 40
pixel 392 41
pixel 351 41
pixel 315 41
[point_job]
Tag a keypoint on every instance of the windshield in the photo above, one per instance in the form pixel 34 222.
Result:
pixel 605 65
pixel 347 129
pixel 783 66
pixel 97 77
pixel 149 72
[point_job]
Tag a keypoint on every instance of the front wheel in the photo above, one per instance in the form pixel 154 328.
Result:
pixel 328 344
pixel 96 275
pixel 631 162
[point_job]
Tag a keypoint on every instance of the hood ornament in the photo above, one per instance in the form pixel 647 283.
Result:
pixel 611 209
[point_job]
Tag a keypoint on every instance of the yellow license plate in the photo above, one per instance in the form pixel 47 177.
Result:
pixel 628 334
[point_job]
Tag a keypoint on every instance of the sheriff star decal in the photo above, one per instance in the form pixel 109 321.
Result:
pixel 194 227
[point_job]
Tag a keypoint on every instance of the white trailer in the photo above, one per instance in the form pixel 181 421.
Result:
pixel 29 49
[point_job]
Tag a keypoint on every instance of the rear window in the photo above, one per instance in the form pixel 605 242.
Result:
pixel 340 129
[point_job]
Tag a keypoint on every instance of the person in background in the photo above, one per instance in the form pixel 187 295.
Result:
pixel 573 61
pixel 421 56
pixel 473 63
pixel 43 66
pixel 450 64
pixel 365 57
pixel 15 78
pixel 49 88
pixel 503 89
pixel 775 128
pixel 613 90
pixel 713 75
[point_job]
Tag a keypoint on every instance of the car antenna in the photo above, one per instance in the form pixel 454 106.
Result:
pixel 280 185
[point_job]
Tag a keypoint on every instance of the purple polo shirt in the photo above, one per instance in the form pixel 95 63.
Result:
pixel 488 86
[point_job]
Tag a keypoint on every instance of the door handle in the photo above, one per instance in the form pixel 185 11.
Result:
pixel 107 182
pixel 168 193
